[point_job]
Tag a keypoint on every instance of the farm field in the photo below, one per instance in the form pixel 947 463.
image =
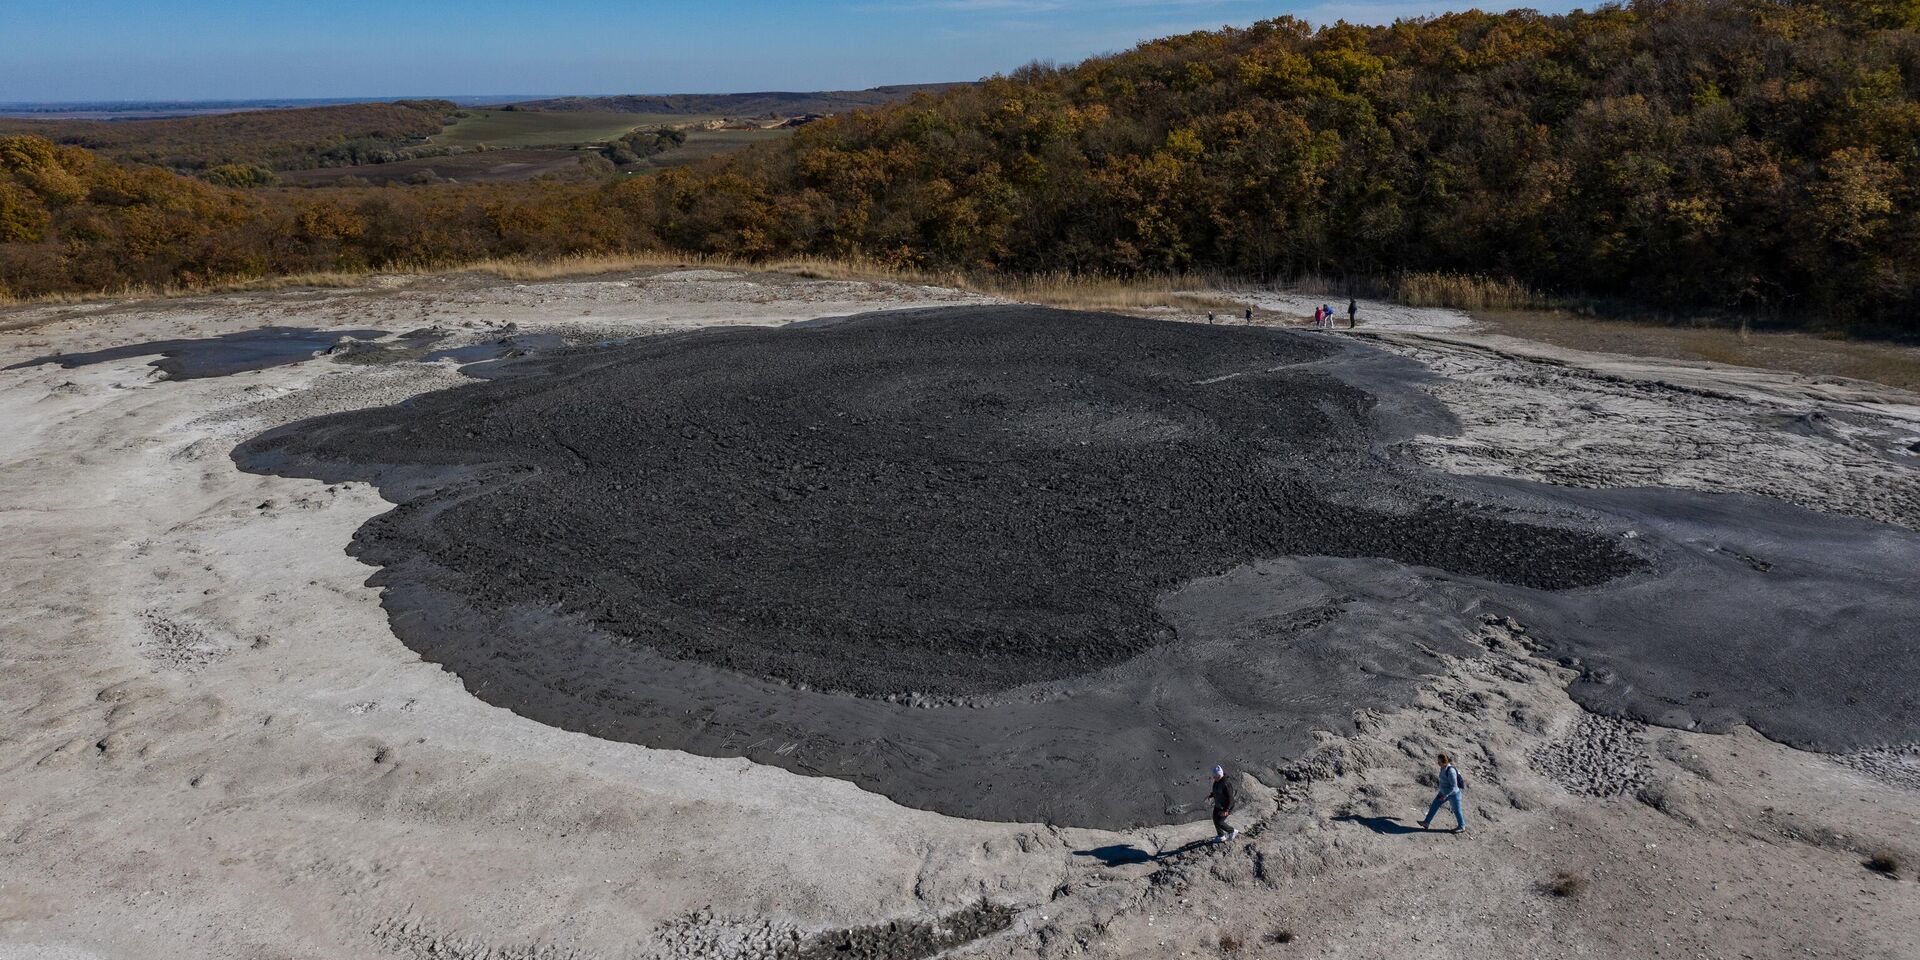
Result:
pixel 501 166
pixel 533 128
pixel 707 144
pixel 483 166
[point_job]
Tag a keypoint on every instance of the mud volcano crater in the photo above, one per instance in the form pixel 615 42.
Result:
pixel 949 502
pixel 1023 564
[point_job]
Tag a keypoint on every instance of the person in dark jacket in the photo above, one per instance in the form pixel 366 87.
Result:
pixel 1451 783
pixel 1222 797
pixel 1353 312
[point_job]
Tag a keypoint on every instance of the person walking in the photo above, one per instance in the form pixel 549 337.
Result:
pixel 1249 314
pixel 1451 783
pixel 1222 797
pixel 1353 312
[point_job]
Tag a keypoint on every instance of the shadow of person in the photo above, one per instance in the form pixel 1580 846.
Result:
pixel 1192 845
pixel 1117 855
pixel 1389 826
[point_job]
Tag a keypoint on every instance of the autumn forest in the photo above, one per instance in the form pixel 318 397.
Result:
pixel 1733 158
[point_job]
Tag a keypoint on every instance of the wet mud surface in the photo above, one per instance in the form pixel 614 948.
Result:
pixel 1023 564
pixel 503 348
pixel 218 356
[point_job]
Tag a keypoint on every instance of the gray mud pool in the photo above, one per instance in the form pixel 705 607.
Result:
pixel 217 356
pixel 1025 564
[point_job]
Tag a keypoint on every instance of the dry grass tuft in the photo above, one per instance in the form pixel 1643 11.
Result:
pixel 1883 861
pixel 338 278
pixel 1465 292
pixel 1459 291
pixel 1073 291
pixel 576 266
pixel 1078 291
pixel 1066 290
pixel 1280 935
pixel 1230 944
pixel 1566 884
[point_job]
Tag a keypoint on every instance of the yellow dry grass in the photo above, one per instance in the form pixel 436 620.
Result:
pixel 1510 307
pixel 1097 292
pixel 1459 291
pixel 332 278
pixel 1073 291
pixel 1465 292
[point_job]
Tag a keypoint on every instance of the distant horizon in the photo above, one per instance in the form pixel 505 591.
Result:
pixel 385 98
pixel 456 97
pixel 180 52
pixel 156 109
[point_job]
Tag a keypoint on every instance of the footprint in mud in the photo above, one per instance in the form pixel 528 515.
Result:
pixel 1599 757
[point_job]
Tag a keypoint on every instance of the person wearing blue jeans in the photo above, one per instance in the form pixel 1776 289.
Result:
pixel 1451 783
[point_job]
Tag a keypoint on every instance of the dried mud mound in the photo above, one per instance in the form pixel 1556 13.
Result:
pixel 1021 564
pixel 952 503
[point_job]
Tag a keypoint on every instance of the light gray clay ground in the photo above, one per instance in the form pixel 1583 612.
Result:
pixel 214 746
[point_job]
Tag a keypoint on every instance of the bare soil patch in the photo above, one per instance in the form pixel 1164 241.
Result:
pixel 1896 365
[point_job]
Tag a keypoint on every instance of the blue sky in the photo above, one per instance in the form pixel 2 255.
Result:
pixel 211 49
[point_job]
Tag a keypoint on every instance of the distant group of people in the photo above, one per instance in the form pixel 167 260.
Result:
pixel 1451 784
pixel 1248 317
pixel 1323 315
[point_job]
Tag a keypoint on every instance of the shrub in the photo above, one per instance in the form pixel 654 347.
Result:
pixel 238 175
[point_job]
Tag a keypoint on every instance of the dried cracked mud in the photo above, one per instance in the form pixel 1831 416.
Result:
pixel 1023 564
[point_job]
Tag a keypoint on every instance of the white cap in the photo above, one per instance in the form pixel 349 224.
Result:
pixel 1219 771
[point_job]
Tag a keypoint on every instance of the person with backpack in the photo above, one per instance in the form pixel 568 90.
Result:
pixel 1222 797
pixel 1451 783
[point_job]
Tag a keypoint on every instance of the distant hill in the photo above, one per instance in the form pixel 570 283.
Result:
pixel 287 139
pixel 170 109
pixel 742 104
pixel 290 135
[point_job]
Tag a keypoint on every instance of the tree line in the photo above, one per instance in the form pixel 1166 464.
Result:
pixel 1750 157
pixel 337 135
